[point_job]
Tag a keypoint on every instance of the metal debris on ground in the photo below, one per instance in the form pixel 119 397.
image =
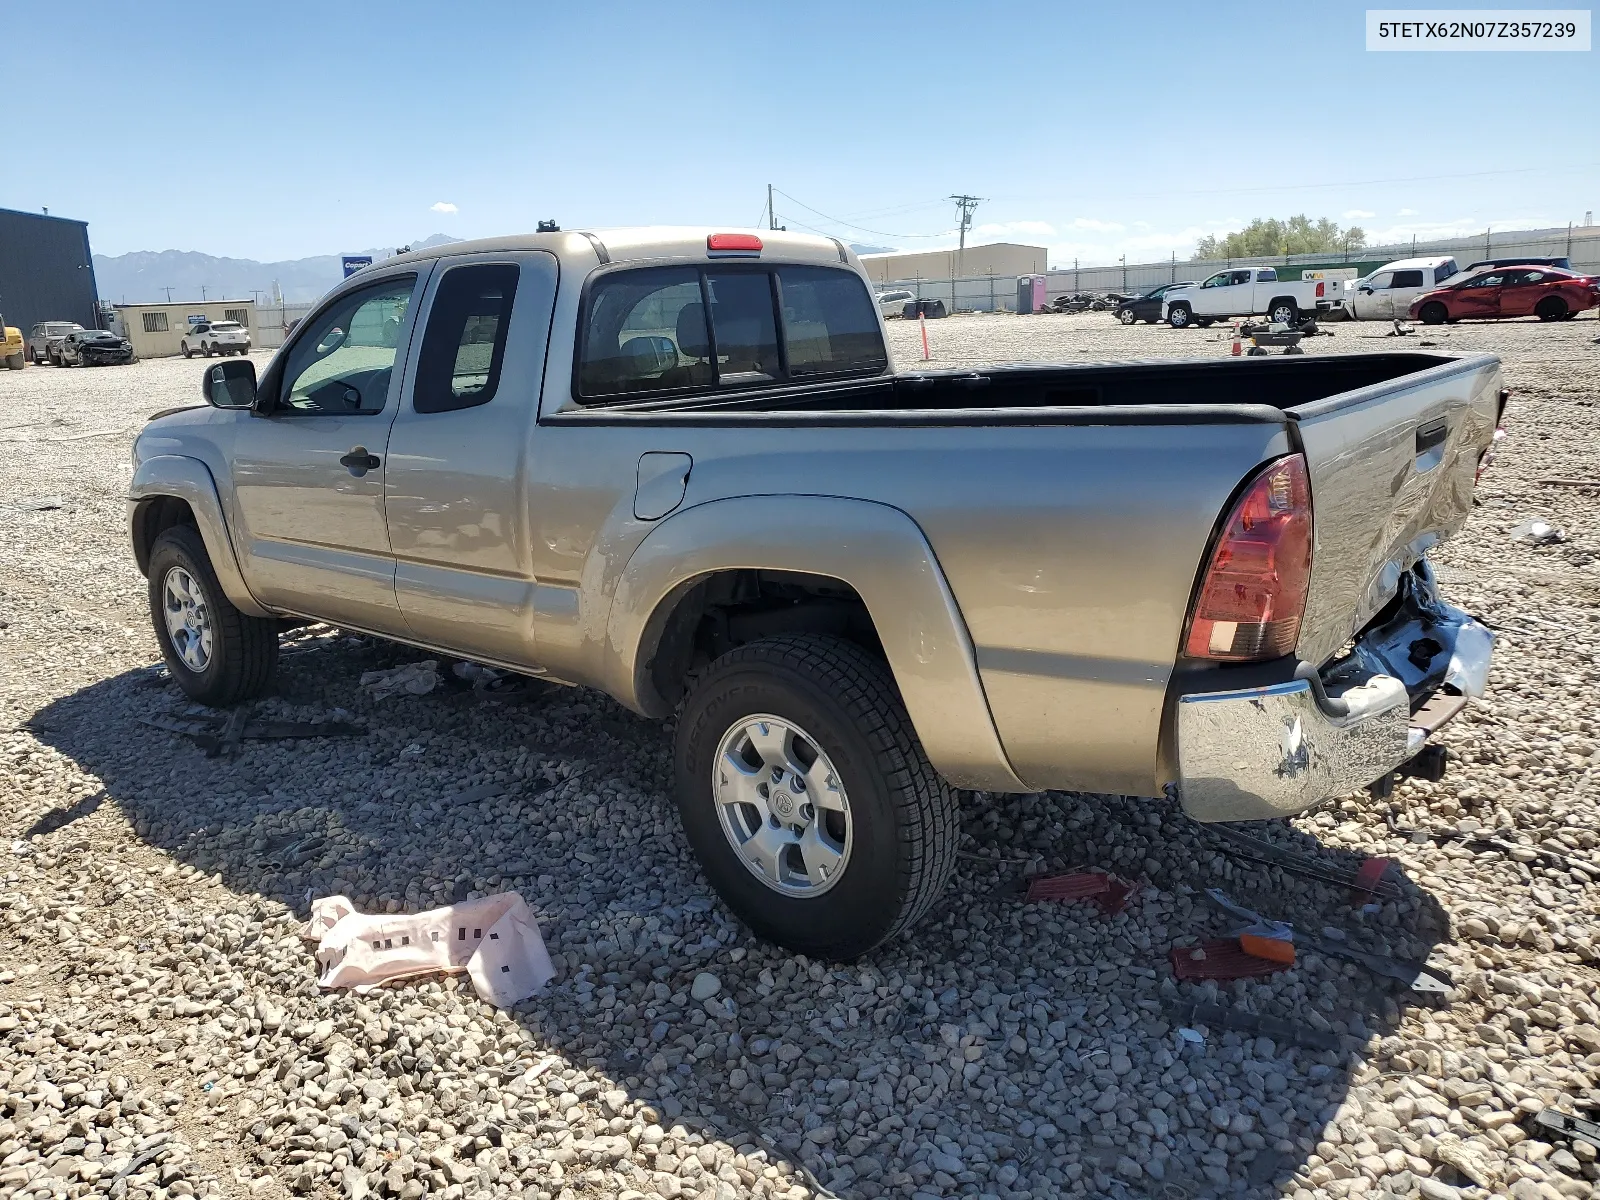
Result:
pixel 1551 1124
pixel 1240 1020
pixel 213 733
pixel 295 852
pixel 1479 841
pixel 1258 937
pixel 1538 532
pixel 1107 891
pixel 39 504
pixel 1368 876
pixel 494 940
pixel 1254 849
pixel 413 679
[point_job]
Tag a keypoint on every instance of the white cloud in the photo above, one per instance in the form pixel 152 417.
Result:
pixel 1406 212
pixel 443 206
pixel 1358 213
pixel 1032 228
pixel 1097 226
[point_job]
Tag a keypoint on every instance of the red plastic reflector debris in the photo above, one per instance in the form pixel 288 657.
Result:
pixel 1107 891
pixel 1221 958
pixel 1368 876
pixel 745 243
pixel 1253 592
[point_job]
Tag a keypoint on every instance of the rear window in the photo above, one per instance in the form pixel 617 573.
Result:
pixel 225 326
pixel 1444 270
pixel 1269 275
pixel 1407 279
pixel 668 329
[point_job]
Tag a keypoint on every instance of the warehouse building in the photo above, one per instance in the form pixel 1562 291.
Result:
pixel 46 273
pixel 157 330
pixel 997 258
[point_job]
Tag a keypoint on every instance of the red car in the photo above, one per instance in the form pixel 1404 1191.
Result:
pixel 1549 293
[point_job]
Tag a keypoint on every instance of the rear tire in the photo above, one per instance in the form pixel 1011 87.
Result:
pixel 1433 313
pixel 1284 311
pixel 1179 316
pixel 14 361
pixel 242 651
pixel 1551 308
pixel 1127 317
pixel 205 349
pixel 894 817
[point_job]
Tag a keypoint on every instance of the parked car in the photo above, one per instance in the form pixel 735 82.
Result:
pixel 1245 292
pixel 892 304
pixel 44 340
pixel 1147 308
pixel 1561 261
pixel 1548 293
pixel 1388 292
pixel 856 589
pixel 94 348
pixel 215 337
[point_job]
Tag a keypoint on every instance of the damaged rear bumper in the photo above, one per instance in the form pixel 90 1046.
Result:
pixel 1278 748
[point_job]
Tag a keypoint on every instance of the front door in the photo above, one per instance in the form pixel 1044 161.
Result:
pixel 308 476
pixel 1374 300
pixel 457 510
pixel 1480 297
pixel 1223 293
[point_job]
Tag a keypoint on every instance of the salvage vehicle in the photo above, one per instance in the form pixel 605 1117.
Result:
pixel 1561 261
pixel 678 466
pixel 215 337
pixel 892 304
pixel 1147 308
pixel 94 348
pixel 1548 293
pixel 12 347
pixel 1388 292
pixel 44 340
pixel 1246 292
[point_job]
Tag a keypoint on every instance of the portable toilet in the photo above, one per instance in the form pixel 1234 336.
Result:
pixel 1030 293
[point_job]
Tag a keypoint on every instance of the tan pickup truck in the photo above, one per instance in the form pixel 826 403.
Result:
pixel 677 465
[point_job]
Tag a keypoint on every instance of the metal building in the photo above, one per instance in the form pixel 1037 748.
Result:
pixel 46 273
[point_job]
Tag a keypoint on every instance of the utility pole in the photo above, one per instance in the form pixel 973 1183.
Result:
pixel 168 291
pixel 772 216
pixel 202 293
pixel 964 205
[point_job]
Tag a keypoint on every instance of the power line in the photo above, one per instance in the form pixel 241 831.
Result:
pixel 853 225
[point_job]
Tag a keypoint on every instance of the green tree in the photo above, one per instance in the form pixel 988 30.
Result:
pixel 1267 237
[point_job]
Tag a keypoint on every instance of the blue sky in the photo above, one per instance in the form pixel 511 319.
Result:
pixel 293 129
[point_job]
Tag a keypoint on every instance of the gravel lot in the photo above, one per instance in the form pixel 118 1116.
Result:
pixel 161 1033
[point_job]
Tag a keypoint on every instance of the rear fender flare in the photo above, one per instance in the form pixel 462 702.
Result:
pixel 880 552
pixel 189 480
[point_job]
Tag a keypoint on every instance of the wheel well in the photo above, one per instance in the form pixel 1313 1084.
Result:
pixel 154 517
pixel 1289 300
pixel 708 617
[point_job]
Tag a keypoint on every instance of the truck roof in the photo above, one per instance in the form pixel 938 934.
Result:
pixel 644 243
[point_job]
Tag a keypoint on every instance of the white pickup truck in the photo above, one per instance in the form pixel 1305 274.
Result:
pixel 1245 292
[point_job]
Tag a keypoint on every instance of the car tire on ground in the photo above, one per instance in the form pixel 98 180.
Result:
pixel 217 654
pixel 1551 308
pixel 14 361
pixel 183 348
pixel 205 349
pixel 1203 322
pixel 1433 313
pixel 1284 311
pixel 1179 315
pixel 796 753
pixel 1126 316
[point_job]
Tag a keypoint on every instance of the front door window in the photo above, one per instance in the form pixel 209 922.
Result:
pixel 343 364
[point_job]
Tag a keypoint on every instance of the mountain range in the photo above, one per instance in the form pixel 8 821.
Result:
pixel 143 276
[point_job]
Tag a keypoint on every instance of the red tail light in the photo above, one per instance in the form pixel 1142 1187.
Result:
pixel 1253 593
pixel 1321 289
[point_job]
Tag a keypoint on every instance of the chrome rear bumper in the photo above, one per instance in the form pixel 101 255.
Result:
pixel 1273 750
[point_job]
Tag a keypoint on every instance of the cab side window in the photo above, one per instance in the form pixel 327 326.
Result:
pixel 1408 279
pixel 342 363
pixel 465 343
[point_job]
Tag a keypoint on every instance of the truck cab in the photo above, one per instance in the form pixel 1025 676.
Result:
pixel 1244 292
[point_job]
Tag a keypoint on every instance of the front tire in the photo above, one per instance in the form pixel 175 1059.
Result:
pixel 217 654
pixel 1433 313
pixel 1179 316
pixel 808 799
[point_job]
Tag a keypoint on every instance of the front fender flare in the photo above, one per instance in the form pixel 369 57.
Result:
pixel 189 480
pixel 880 552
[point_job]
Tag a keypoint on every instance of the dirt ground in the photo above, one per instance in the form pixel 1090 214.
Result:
pixel 161 1032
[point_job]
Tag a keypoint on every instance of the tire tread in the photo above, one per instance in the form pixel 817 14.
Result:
pixel 250 643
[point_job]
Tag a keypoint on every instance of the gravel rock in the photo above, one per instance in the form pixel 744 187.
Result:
pixel 159 1013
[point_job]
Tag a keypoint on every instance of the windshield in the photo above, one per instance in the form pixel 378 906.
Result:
pixel 61 327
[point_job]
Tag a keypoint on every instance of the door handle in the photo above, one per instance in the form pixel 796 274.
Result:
pixel 360 462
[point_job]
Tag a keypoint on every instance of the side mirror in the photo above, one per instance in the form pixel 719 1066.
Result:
pixel 1366 291
pixel 230 384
